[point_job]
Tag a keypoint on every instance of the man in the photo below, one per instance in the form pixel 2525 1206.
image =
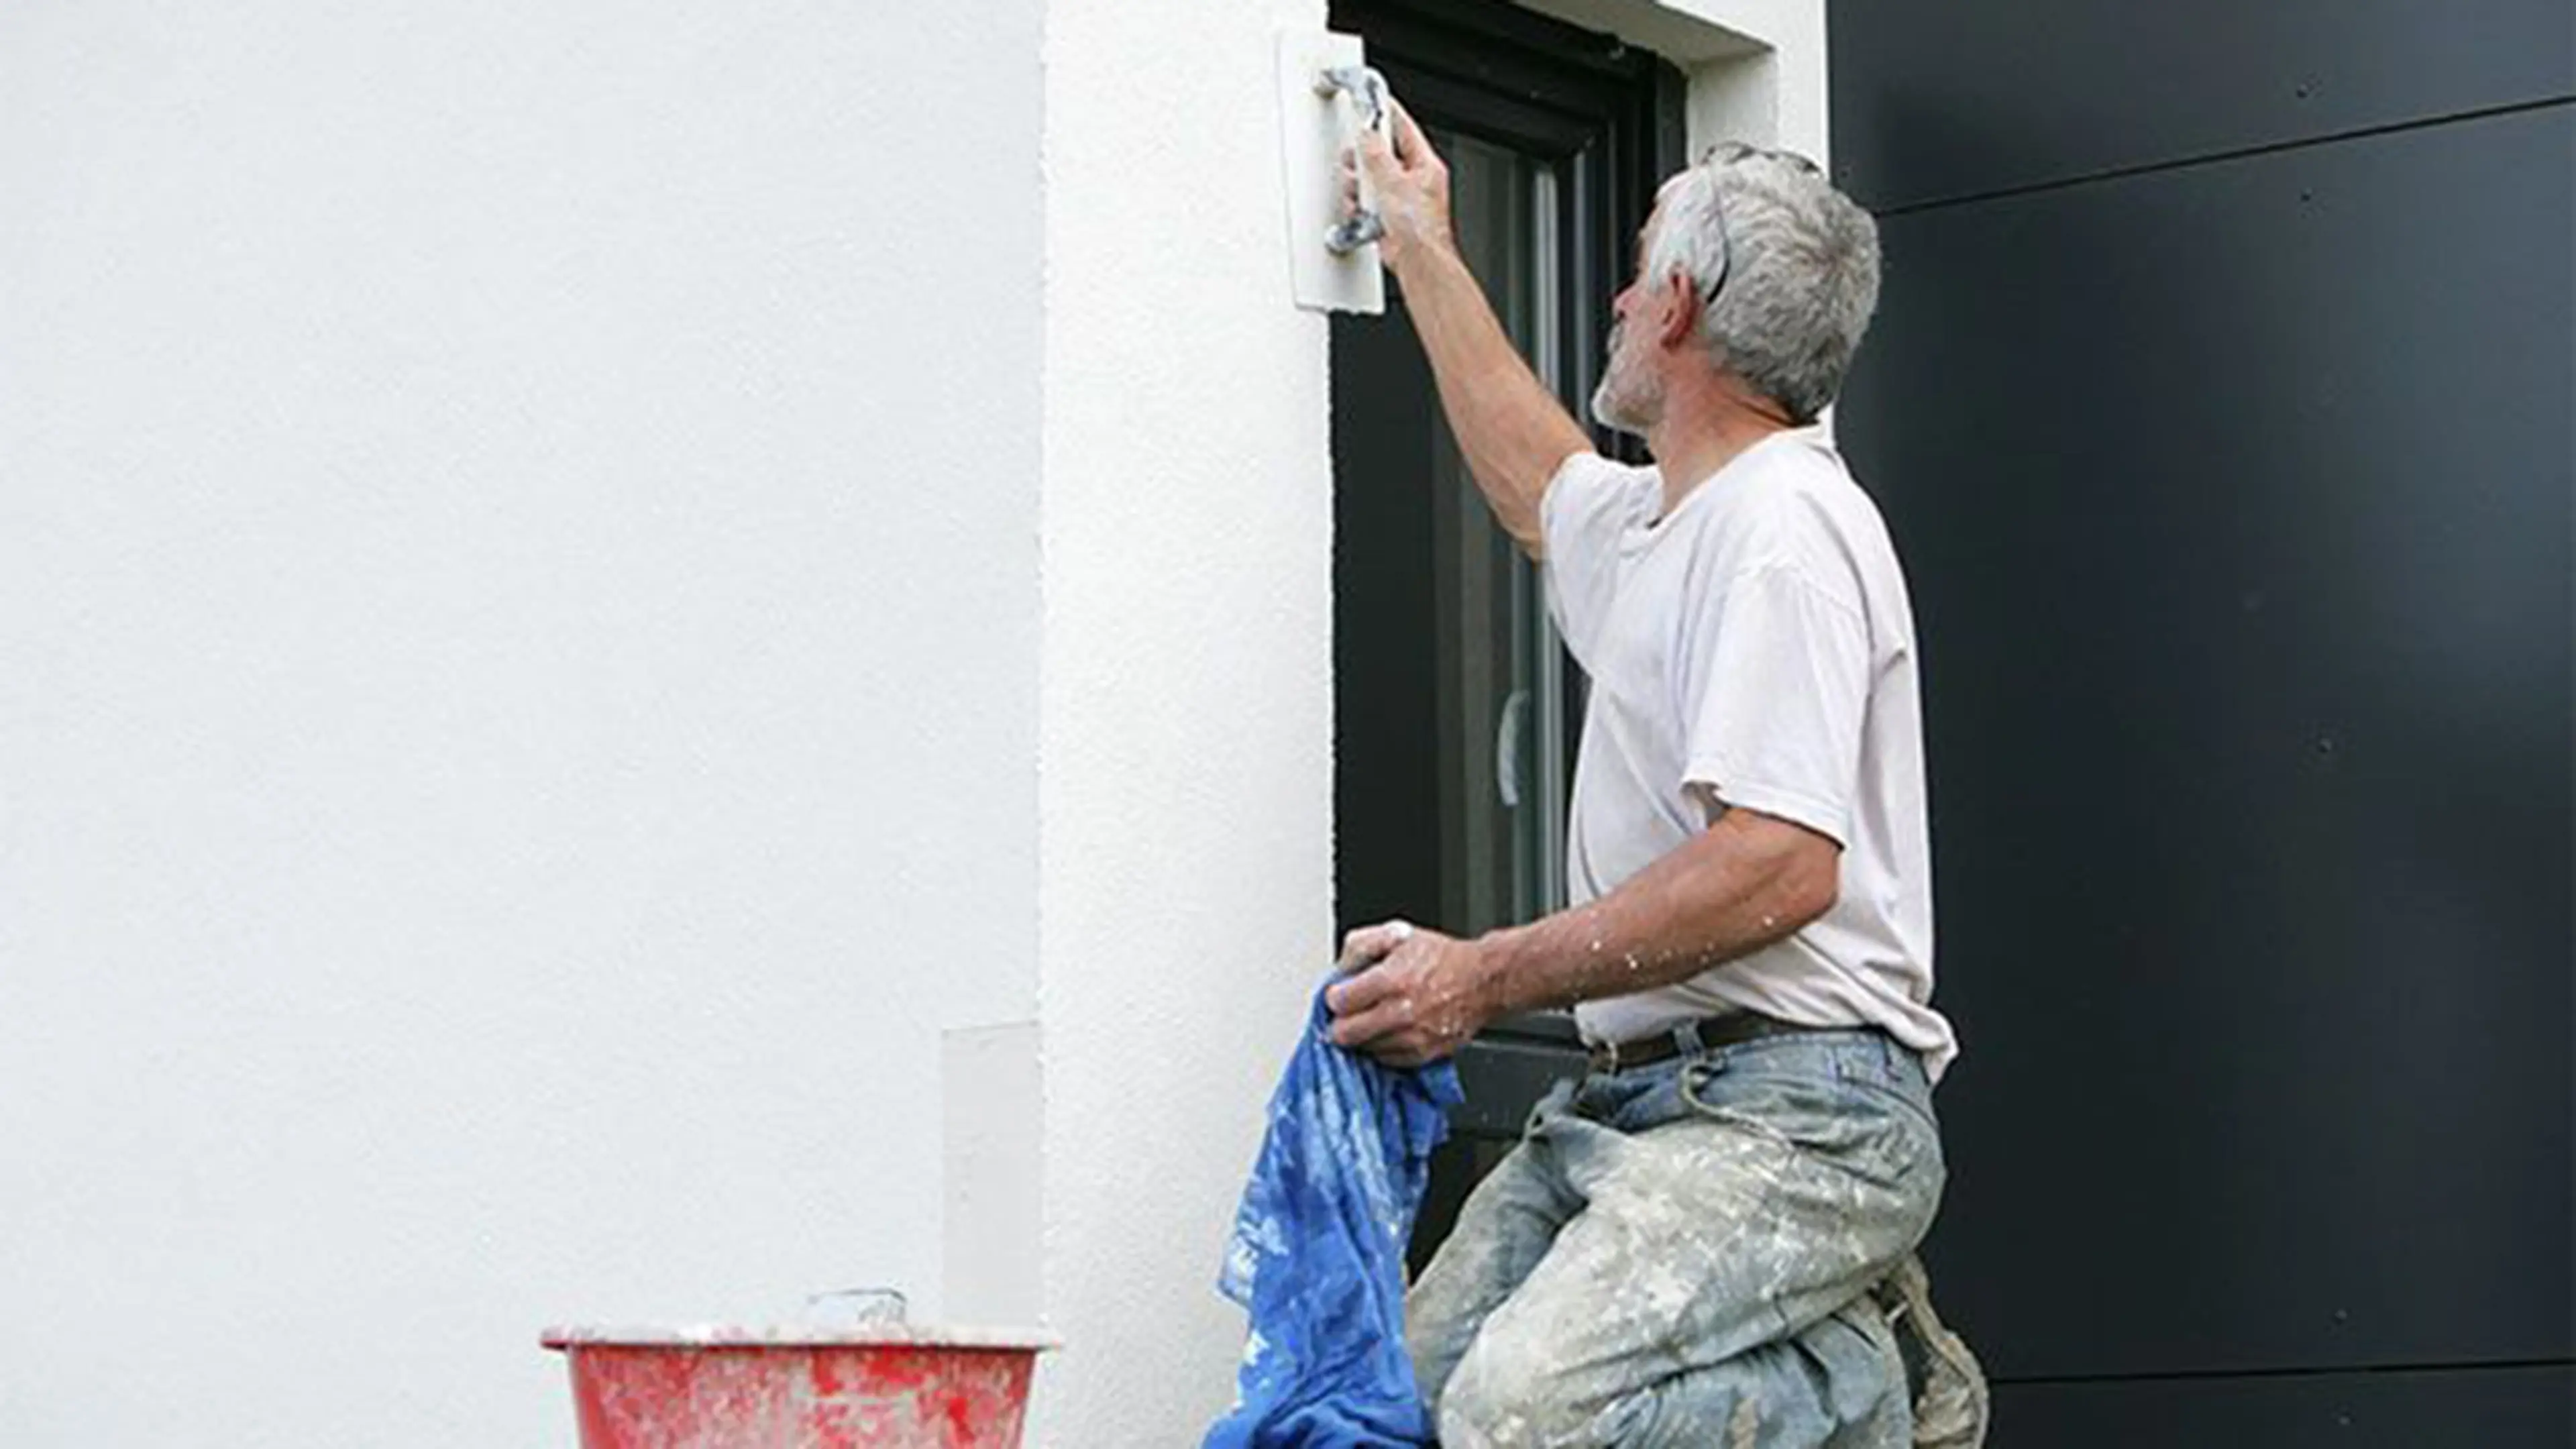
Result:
pixel 1707 1239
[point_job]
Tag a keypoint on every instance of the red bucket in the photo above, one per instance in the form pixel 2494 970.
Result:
pixel 890 1386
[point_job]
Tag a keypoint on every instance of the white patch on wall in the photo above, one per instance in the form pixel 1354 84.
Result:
pixel 991 1121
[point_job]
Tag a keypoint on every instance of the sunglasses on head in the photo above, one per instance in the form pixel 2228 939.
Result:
pixel 1727 153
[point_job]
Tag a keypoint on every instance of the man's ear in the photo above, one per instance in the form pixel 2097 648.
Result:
pixel 1680 311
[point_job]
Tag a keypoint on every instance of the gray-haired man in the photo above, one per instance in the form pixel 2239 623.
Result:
pixel 1708 1239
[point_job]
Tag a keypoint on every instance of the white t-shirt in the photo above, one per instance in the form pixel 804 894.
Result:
pixel 1754 649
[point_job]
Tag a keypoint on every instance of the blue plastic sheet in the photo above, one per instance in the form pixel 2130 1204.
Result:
pixel 1317 1254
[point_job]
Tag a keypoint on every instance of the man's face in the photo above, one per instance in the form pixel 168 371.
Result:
pixel 1631 395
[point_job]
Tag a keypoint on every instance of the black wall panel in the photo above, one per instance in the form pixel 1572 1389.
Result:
pixel 1965 98
pixel 2236 503
pixel 2510 1408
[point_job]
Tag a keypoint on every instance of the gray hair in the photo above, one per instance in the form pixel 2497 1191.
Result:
pixel 1787 265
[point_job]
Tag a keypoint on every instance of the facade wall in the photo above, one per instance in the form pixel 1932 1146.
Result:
pixel 1186 770
pixel 518 685
pixel 2222 418
pixel 654 664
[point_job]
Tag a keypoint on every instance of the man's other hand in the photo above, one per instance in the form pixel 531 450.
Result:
pixel 1411 184
pixel 1412 996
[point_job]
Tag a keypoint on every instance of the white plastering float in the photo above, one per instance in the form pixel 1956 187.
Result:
pixel 1327 95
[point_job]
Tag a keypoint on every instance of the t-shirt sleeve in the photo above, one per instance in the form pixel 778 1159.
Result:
pixel 1783 691
pixel 1588 506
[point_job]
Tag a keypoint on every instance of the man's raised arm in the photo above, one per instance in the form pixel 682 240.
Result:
pixel 1511 429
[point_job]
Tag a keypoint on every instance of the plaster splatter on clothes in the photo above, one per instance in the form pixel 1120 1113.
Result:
pixel 1316 1258
pixel 1692 1254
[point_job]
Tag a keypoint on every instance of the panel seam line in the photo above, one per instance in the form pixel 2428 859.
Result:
pixel 2326 1371
pixel 2268 148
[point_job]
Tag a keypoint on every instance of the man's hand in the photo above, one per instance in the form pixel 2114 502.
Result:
pixel 1513 432
pixel 1412 189
pixel 1413 996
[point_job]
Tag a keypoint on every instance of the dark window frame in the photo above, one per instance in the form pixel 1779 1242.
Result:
pixel 1612 114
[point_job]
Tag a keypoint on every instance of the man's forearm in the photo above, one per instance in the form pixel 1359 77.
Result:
pixel 1511 429
pixel 1737 887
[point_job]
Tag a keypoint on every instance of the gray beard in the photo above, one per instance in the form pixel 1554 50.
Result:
pixel 1619 414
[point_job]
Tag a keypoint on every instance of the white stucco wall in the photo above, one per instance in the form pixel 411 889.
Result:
pixel 1186 783
pixel 518 684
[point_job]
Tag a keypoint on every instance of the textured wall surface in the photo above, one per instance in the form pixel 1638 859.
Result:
pixel 577 585
pixel 518 684
pixel 1186 778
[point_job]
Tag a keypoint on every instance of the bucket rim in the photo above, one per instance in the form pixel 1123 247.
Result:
pixel 740 1335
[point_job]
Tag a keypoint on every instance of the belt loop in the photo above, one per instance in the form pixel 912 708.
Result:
pixel 1686 1041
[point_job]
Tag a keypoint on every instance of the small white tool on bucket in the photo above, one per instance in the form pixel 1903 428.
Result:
pixel 1327 96
pixel 857 1307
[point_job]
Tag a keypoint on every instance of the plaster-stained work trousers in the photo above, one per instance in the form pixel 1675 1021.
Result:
pixel 1685 1253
